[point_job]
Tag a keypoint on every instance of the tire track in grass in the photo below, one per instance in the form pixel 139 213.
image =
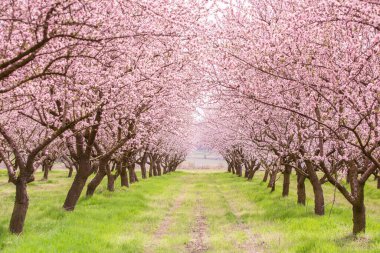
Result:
pixel 199 231
pixel 168 220
pixel 253 244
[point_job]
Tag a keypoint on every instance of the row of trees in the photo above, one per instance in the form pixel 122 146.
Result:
pixel 297 89
pixel 98 85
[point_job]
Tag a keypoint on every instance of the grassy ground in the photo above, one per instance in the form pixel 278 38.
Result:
pixel 185 212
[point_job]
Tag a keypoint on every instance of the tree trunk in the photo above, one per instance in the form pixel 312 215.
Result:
pixel 286 183
pixel 319 202
pixel 247 171
pixel 143 169
pixel 378 182
pixel 253 171
pixel 151 169
pixel 158 166
pixel 131 172
pixel 135 176
pixel 124 175
pixel 70 172
pixel 46 171
pixel 272 181
pixel 301 190
pixel 20 207
pixel 111 182
pixel 358 212
pixel 84 171
pixel 154 168
pixel 239 170
pixel 266 175
pixel 95 182
pixel 229 167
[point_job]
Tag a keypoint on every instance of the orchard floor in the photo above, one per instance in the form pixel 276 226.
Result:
pixel 185 212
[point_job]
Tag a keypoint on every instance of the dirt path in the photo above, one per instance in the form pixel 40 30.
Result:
pixel 198 242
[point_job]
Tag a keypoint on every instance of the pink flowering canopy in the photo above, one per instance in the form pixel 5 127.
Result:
pixel 279 83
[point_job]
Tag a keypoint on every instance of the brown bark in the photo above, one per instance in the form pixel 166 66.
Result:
pixel 301 190
pixel 84 171
pixel 111 182
pixel 319 202
pixel 247 170
pixel 20 207
pixel 266 175
pixel 272 181
pixel 378 182
pixel 143 169
pixel 95 182
pixel 286 183
pixel 158 166
pixel 358 212
pixel 70 172
pixel 46 171
pixel 124 175
pixel 229 167
pixel 239 170
pixel 144 159
pixel 151 169
pixel 253 171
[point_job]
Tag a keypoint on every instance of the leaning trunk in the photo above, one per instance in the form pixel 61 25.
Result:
pixel 78 184
pixel 95 182
pixel 20 207
pixel 266 175
pixel 70 172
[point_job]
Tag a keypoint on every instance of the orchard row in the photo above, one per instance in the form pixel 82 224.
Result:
pixel 98 85
pixel 297 88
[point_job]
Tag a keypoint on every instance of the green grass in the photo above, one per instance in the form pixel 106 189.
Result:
pixel 240 215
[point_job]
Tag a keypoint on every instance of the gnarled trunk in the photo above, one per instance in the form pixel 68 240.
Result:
pixel 20 207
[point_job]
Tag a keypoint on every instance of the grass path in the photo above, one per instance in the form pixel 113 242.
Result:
pixel 184 212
